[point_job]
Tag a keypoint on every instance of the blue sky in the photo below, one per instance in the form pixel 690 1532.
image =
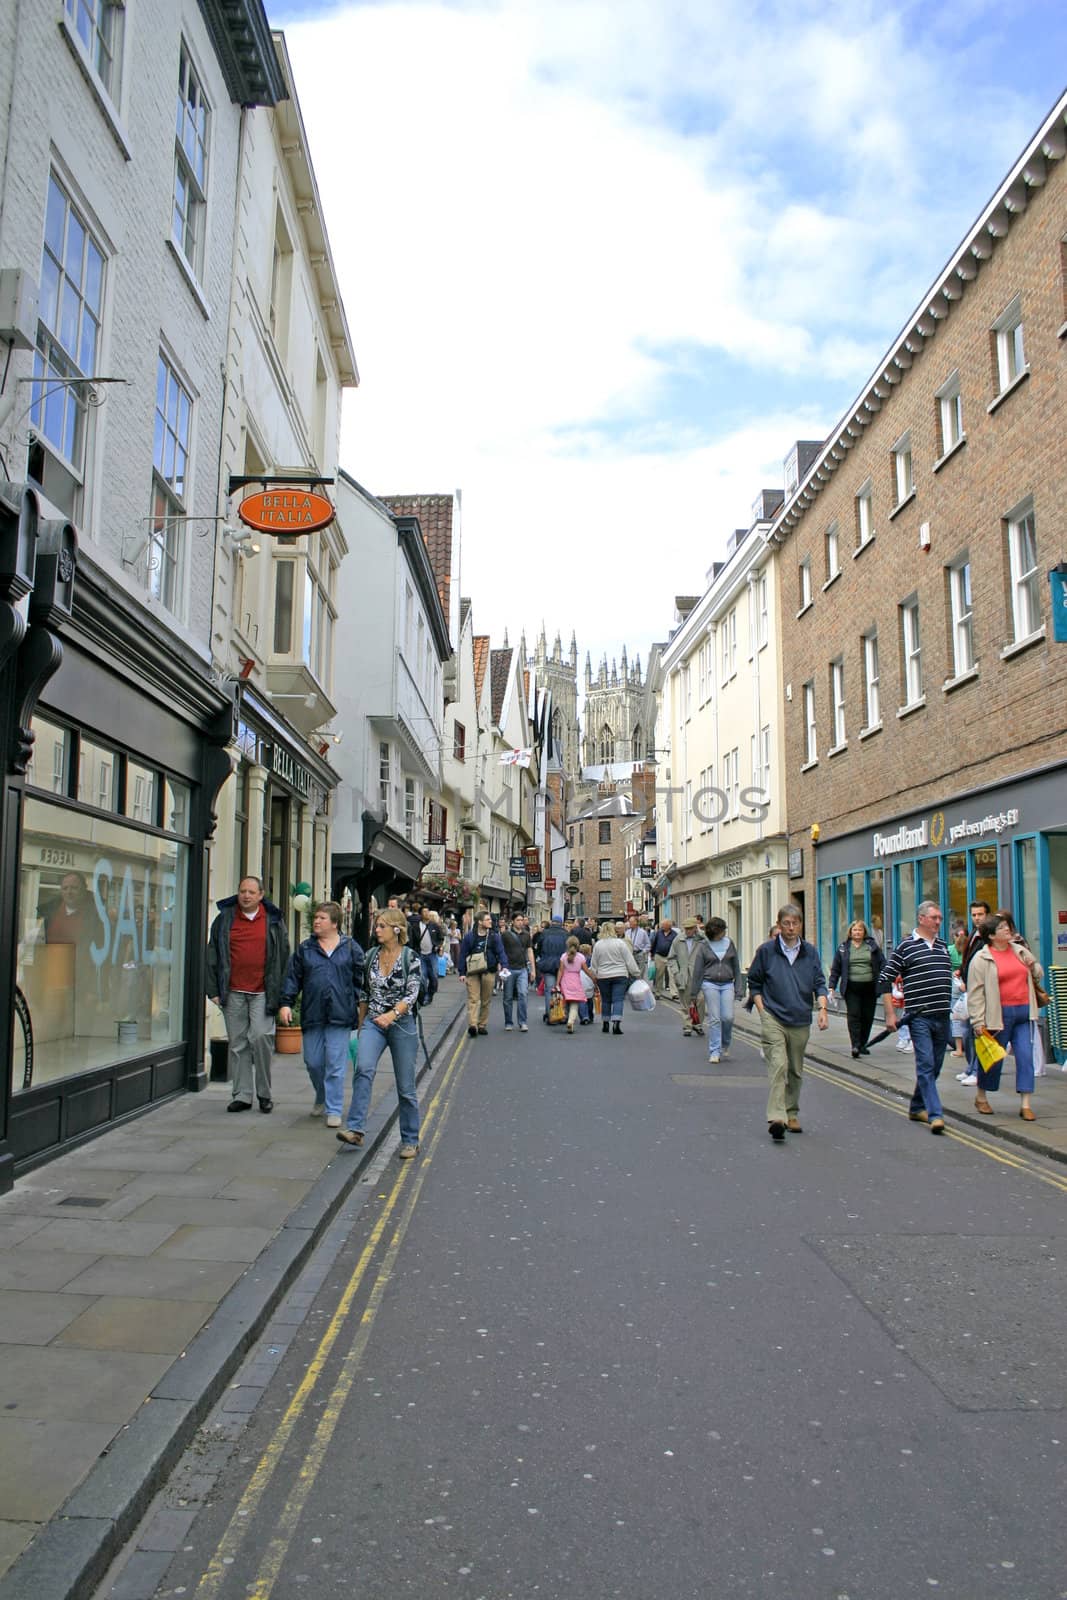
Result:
pixel 604 260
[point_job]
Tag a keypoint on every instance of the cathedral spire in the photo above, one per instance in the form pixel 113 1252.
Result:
pixel 505 646
pixel 588 671
pixel 557 650
pixel 522 648
pixel 574 651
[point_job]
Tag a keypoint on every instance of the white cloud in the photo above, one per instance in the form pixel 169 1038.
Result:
pixel 544 211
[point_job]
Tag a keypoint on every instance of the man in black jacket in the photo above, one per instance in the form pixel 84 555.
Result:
pixel 551 949
pixel 247 954
pixel 784 980
pixel 425 937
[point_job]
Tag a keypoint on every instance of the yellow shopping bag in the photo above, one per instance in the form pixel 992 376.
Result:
pixel 988 1051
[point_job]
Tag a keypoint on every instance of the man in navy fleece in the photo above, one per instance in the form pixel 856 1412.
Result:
pixel 784 980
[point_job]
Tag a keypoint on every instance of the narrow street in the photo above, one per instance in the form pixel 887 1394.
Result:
pixel 605 1339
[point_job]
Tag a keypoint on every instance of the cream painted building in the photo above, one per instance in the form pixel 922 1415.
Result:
pixel 276 598
pixel 720 810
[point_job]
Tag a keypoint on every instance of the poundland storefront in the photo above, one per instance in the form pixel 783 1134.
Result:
pixel 1006 845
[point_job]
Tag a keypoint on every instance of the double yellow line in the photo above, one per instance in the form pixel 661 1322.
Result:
pixel 407 1186
pixel 883 1098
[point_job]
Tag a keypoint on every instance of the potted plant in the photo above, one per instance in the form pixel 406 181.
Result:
pixel 289 1038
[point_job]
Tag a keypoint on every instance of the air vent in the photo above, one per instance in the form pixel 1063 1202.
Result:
pixel 88 1202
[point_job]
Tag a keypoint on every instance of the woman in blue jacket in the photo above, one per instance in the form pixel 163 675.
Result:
pixel 327 970
pixel 855 971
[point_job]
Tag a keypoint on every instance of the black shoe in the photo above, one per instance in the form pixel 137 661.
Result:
pixel 482 1030
pixel 266 1103
pixel 583 1022
pixel 864 1051
pixel 605 1027
pixel 855 1055
pixel 472 1033
pixel 777 1131
pixel 616 1027
pixel 239 1105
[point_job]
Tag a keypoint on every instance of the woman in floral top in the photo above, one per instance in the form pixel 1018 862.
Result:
pixel 386 1019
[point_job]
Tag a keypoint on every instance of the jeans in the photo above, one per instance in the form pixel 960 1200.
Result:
pixel 251 1034
pixel 429 972
pixel 326 1059
pixel 1015 1036
pixel 402 1041
pixel 719 999
pixel 516 987
pixel 931 1036
pixel 612 997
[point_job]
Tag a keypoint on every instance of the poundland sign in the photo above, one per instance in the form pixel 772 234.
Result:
pixel 892 844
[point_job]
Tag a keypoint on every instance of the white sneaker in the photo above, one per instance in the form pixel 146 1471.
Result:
pixel 333 1122
pixel 317 1109
pixel 508 1028
pixel 523 1028
pixel 724 1052
pixel 714 1059
pixel 968 1079
pixel 903 1044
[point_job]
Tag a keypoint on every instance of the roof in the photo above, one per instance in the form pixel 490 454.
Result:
pixel 1026 178
pixel 500 667
pixel 464 612
pixel 434 512
pixel 241 36
pixel 481 660
pixel 616 805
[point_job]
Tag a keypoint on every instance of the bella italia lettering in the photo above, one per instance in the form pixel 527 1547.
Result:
pixel 891 844
pixel 288 510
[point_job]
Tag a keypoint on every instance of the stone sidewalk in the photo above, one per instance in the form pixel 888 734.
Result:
pixel 134 1273
pixel 893 1069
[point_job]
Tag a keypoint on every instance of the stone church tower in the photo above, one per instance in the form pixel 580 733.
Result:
pixel 559 674
pixel 613 701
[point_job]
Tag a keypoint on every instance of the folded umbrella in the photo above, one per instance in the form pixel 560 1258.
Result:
pixel 886 1032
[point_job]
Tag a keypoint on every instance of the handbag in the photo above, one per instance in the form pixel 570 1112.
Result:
pixel 1041 995
pixel 557 1009
pixel 476 964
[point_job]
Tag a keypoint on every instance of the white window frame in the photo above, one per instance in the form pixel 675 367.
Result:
pixel 171 451
pixel 833 552
pixel 1011 349
pixel 961 606
pixel 864 515
pixel 384 775
pixel 912 654
pixel 903 469
pixel 805 583
pixel 190 165
pixel 99 28
pixel 605 902
pixel 871 682
pixel 411 811
pixel 811 729
pixel 1025 572
pixel 950 414
pixel 837 703
pixel 604 877
pixel 762 616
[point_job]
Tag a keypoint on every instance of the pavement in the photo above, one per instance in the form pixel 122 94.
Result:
pixel 135 1271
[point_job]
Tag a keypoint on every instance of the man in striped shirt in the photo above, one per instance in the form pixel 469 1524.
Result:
pixel 922 964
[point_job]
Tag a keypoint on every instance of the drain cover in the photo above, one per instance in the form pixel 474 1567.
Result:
pixel 89 1201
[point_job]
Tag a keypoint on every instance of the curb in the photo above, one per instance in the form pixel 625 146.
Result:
pixel 74 1550
pixel 851 1069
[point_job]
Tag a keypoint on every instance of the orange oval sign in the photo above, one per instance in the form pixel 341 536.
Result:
pixel 288 511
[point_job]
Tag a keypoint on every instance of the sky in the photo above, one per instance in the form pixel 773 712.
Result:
pixel 603 261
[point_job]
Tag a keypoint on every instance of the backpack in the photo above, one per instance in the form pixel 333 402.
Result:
pixel 406 955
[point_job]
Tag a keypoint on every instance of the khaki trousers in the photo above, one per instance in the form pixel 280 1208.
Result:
pixel 783 1050
pixel 664 977
pixel 479 995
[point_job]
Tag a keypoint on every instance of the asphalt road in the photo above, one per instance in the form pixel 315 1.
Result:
pixel 604 1338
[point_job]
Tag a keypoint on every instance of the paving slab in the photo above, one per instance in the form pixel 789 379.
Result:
pixel 107 1238
pixel 14 1537
pixel 29 1316
pixel 150 1327
pixel 214 1211
pixel 217 1243
pixel 78 1385
pixel 41 1459
pixel 52 1271
pixel 144 1277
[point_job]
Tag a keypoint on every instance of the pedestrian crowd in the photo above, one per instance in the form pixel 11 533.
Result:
pixel 979 992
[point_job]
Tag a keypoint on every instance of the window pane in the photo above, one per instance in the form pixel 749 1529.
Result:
pixel 1026 909
pixel 97 770
pixel 101 933
pixel 142 787
pixel 906 901
pixel 283 608
pixel 50 757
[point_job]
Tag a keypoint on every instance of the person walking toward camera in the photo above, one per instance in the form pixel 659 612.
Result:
pixel 481 955
pixel 1002 1001
pixel 716 973
pixel 247 954
pixel 921 963
pixel 785 980
pixel 391 978
pixel 854 974
pixel 685 948
pixel 327 972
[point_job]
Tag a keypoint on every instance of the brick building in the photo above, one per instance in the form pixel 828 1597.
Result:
pixel 598 853
pixel 925 741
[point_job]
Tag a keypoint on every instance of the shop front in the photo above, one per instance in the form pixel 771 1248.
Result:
pixel 1005 845
pixel 388 864
pixel 107 814
pixel 744 887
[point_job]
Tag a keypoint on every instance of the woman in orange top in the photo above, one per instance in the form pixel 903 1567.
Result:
pixel 1001 1001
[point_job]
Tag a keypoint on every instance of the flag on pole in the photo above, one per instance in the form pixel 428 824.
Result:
pixel 516 758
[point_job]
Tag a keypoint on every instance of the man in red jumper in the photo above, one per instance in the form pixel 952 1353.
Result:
pixel 247 954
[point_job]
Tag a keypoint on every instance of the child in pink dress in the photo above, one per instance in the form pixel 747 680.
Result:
pixel 570 981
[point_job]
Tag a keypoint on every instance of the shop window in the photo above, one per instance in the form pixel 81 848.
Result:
pixel 956 889
pixel 240 825
pixel 98 774
pixel 986 879
pixel 928 880
pixel 1027 889
pixel 906 900
pixel 49 766
pixel 142 794
pixel 101 931
pixel 876 899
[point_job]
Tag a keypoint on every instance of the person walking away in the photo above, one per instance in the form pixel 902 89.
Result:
pixel 481 955
pixel 1002 1001
pixel 518 958
pixel 247 954
pixel 660 949
pixel 854 974
pixel 388 1002
pixel 327 972
pixel 684 948
pixel 785 980
pixel 921 963
pixel 716 973
pixel 614 968
pixel 549 952
pixel 571 966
